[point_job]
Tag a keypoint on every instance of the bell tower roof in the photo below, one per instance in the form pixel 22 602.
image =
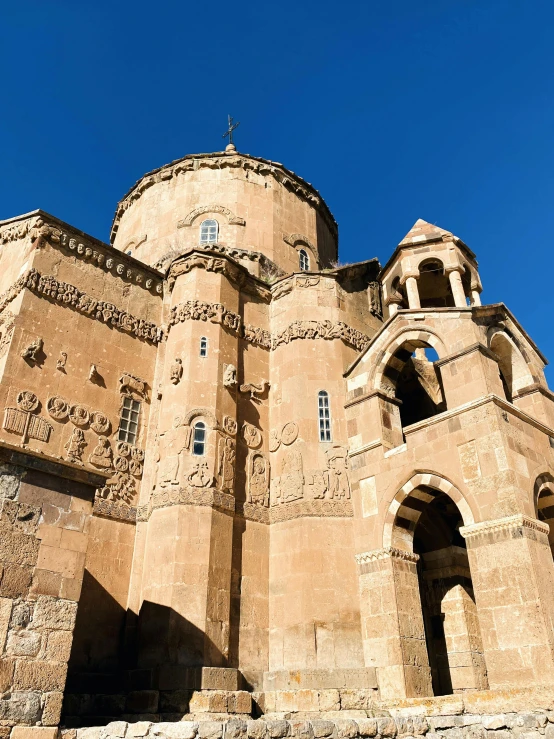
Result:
pixel 422 231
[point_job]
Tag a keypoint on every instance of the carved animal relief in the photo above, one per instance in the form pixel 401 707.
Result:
pixel 229 375
pixel 255 390
pixel 31 352
pixel 61 362
pixel 176 371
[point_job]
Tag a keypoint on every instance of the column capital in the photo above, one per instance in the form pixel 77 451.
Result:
pixel 504 524
pixel 386 553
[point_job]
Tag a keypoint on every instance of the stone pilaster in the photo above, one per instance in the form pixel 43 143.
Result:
pixel 513 580
pixel 392 622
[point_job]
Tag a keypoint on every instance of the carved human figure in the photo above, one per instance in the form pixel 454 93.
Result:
pixel 74 446
pixel 171 444
pixel 339 485
pixel 176 371
pixel 226 463
pixel 258 483
pixel 102 454
pixel 291 483
pixel 320 484
pixel 229 375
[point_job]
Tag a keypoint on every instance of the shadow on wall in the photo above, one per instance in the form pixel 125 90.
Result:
pixel 122 665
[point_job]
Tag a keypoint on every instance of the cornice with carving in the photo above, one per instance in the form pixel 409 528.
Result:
pixel 504 524
pixel 223 161
pixel 211 497
pixel 106 258
pixel 70 296
pixel 112 509
pixel 16 231
pixel 386 553
pixel 267 265
pixel 12 292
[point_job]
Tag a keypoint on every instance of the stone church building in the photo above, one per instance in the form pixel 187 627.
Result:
pixel 235 472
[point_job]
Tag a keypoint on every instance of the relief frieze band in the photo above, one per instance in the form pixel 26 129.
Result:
pixel 72 297
pixel 197 310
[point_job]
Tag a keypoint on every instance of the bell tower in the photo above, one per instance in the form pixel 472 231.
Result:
pixel 431 268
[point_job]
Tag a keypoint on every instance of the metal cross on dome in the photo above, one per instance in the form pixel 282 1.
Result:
pixel 230 129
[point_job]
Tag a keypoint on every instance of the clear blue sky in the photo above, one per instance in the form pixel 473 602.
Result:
pixel 439 109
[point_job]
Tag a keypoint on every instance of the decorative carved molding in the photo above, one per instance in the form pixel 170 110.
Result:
pixel 186 496
pixel 311 508
pixel 268 267
pixel 113 509
pixel 12 292
pixel 72 297
pixel 257 165
pixel 294 239
pixel 104 257
pixel 197 310
pixel 386 553
pixel 503 524
pixel 133 386
pixel 16 231
pixel 232 219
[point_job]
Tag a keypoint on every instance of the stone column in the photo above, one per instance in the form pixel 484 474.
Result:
pixel 475 297
pixel 392 623
pixel 513 580
pixel 412 292
pixel 457 289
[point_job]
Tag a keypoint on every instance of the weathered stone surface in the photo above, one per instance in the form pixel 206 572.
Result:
pixel 24 643
pixel 51 713
pixel 39 675
pixel 53 613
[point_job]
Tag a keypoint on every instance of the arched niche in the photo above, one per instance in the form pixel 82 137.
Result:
pixel 514 370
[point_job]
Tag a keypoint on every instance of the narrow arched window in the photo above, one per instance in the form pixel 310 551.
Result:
pixel 199 439
pixel 209 231
pixel 203 346
pixel 324 413
pixel 304 260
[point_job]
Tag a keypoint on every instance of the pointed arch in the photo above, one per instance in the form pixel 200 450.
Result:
pixel 408 503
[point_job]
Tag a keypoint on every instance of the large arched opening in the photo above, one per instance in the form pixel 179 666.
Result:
pixel 512 367
pixel 428 521
pixel 544 503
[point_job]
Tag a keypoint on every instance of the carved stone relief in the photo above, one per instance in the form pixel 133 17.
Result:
pixel 58 408
pixel 176 371
pixel 133 386
pixel 171 445
pixel 7 326
pixel 232 219
pixel 258 479
pixel 230 425
pixel 229 375
pixel 79 415
pixel 74 446
pixel 102 454
pixel 23 422
pixel 200 476
pixel 94 375
pixel 226 463
pixel 99 422
pixel 274 440
pixel 61 361
pixel 332 483
pixel 289 434
pixel 290 485
pixel 31 352
pixel 255 390
pixel 251 436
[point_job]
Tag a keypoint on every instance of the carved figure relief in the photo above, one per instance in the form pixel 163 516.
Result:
pixel 57 408
pixel 99 422
pixel 93 374
pixel 21 420
pixel 119 488
pixel 230 425
pixel 274 440
pixel 200 476
pixel 332 483
pixel 258 479
pixel 229 375
pixel 176 371
pixel 226 463
pixel 289 434
pixel 61 361
pixel 7 327
pixel 74 446
pixel 102 454
pixel 290 485
pixel 251 436
pixel 31 352
pixel 255 390
pixel 171 445
pixel 79 415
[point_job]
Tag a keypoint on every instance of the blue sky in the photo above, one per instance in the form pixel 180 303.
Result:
pixel 439 109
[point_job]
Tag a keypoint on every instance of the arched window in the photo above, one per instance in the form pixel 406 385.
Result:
pixel 324 413
pixel 199 439
pixel 209 231
pixel 203 346
pixel 304 260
